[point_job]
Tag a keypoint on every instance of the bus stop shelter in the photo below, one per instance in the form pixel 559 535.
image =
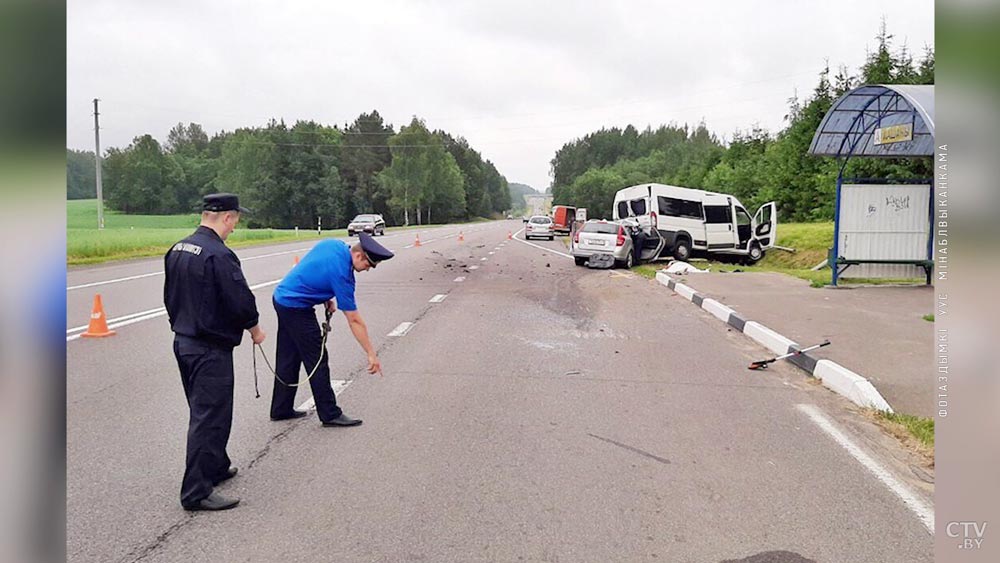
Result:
pixel 882 228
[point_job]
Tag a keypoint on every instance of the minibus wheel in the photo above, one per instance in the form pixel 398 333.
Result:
pixel 682 250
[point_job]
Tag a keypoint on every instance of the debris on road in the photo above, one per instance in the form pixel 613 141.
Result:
pixel 762 364
pixel 601 261
pixel 678 267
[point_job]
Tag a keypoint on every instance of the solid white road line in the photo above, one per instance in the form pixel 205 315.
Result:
pixel 402 329
pixel 282 253
pixel 460 279
pixel 247 259
pixel 145 315
pixel 95 284
pixel 117 319
pixel 438 298
pixel 923 512
pixel 134 320
pixel 160 273
pixel 540 246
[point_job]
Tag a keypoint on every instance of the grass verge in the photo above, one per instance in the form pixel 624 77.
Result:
pixel 647 270
pixel 915 432
pixel 810 241
pixel 90 246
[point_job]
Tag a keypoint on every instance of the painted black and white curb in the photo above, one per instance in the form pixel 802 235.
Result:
pixel 834 376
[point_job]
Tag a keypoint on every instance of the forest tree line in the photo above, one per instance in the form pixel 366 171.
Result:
pixel 291 176
pixel 755 166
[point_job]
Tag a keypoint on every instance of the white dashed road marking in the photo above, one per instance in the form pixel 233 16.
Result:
pixel 338 386
pixel 460 279
pixel 473 267
pixel 402 329
pixel 438 298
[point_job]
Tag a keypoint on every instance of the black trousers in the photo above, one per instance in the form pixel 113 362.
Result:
pixel 638 241
pixel 299 338
pixel 207 376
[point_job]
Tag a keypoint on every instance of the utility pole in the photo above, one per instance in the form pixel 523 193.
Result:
pixel 97 163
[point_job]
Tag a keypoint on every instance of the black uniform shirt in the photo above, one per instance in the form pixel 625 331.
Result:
pixel 205 293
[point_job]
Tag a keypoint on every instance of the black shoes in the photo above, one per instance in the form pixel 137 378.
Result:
pixel 342 420
pixel 214 501
pixel 229 474
pixel 293 414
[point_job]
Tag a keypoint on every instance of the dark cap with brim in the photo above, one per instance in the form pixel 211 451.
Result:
pixel 373 250
pixel 222 202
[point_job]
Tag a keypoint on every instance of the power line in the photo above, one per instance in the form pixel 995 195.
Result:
pixel 563 110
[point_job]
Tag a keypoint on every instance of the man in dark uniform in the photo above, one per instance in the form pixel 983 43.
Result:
pixel 324 274
pixel 638 241
pixel 209 305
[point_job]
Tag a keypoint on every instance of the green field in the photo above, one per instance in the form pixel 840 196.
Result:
pixel 138 236
pixel 82 214
pixel 810 242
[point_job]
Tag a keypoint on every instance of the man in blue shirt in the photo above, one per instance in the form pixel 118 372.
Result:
pixel 324 274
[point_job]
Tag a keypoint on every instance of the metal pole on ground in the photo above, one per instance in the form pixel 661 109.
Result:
pixel 836 231
pixel 97 164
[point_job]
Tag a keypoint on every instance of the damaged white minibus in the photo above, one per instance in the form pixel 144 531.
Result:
pixel 695 222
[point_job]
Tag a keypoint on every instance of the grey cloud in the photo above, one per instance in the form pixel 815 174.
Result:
pixel 516 78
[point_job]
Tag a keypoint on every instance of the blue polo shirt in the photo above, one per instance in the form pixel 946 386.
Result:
pixel 326 272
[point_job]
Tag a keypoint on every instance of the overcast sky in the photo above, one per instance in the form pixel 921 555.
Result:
pixel 518 79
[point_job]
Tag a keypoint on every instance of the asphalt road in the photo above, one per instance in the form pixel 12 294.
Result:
pixel 539 412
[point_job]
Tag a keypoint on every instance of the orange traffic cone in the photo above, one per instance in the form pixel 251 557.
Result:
pixel 461 237
pixel 98 321
pixel 509 236
pixel 417 243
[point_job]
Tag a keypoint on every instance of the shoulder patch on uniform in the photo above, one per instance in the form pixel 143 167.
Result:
pixel 187 247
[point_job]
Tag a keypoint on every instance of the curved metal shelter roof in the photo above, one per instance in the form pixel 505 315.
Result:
pixel 878 120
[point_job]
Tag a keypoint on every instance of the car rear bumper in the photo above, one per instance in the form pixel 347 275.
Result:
pixel 619 252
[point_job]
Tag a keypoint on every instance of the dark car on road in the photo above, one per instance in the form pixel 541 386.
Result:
pixel 369 223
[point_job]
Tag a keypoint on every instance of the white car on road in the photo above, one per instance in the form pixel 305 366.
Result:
pixel 539 226
pixel 603 237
